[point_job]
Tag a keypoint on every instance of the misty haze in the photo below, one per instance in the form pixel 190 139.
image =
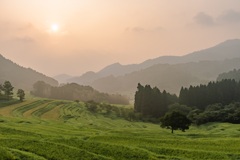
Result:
pixel 119 79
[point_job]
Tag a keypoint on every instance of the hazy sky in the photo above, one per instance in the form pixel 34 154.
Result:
pixel 75 36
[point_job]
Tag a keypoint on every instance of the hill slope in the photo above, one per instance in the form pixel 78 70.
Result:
pixel 21 77
pixel 226 50
pixel 168 77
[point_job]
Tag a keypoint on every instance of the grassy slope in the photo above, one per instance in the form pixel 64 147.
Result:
pixel 48 129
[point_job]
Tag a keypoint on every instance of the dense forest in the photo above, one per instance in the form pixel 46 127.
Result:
pixel 224 92
pixel 76 92
pixel 215 102
pixel 217 113
pixel 152 102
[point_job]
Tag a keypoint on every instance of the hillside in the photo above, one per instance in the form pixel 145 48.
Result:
pixel 85 79
pixel 168 77
pixel 21 77
pixel 75 92
pixel 226 50
pixel 48 129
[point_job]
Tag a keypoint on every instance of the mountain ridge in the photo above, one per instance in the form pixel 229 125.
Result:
pixel 217 52
pixel 21 77
pixel 167 77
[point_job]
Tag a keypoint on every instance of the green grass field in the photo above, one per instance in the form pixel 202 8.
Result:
pixel 50 129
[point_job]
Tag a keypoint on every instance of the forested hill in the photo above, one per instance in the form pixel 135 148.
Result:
pixel 21 77
pixel 76 92
pixel 234 74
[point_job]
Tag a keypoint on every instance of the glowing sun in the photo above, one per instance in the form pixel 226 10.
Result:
pixel 55 27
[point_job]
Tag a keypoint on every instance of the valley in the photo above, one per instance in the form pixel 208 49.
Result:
pixel 119 80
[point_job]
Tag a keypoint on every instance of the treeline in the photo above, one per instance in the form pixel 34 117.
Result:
pixel 152 102
pixel 217 113
pixel 223 92
pixel 74 91
pixel 215 102
pixel 110 111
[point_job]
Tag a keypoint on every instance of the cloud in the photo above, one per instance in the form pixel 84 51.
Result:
pixel 158 28
pixel 10 28
pixel 139 29
pixel 229 16
pixel 25 39
pixel 135 29
pixel 26 27
pixel 204 19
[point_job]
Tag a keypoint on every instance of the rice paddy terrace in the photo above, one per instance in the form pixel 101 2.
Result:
pixel 52 129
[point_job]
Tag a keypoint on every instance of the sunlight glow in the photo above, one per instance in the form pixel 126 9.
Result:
pixel 55 27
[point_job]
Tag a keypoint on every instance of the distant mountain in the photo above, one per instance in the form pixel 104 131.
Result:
pixel 225 50
pixel 166 76
pixel 21 77
pixel 85 79
pixel 62 78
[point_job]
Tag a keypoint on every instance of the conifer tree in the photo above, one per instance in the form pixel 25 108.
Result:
pixel 151 102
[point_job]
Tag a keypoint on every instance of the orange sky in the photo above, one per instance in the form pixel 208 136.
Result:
pixel 94 33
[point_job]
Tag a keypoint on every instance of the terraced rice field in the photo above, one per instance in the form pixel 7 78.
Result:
pixel 51 129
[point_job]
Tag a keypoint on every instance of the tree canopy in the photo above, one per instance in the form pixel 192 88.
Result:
pixel 224 92
pixel 7 89
pixel 217 113
pixel 152 102
pixel 175 121
pixel 21 94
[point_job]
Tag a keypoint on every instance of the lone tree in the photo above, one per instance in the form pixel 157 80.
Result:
pixel 21 94
pixel 175 120
pixel 7 89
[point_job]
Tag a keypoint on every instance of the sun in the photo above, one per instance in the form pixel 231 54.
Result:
pixel 54 27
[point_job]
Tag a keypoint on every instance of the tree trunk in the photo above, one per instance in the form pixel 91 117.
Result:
pixel 172 130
